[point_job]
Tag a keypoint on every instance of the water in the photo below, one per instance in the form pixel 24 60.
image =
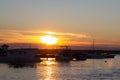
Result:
pixel 91 69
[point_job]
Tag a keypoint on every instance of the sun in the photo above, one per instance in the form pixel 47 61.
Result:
pixel 48 39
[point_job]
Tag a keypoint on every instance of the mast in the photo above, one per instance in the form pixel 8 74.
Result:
pixel 93 44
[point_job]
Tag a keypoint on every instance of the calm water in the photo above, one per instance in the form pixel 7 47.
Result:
pixel 91 69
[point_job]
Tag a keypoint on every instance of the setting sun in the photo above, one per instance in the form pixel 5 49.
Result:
pixel 48 39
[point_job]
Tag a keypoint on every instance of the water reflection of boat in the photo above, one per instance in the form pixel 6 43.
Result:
pixel 20 55
pixel 64 54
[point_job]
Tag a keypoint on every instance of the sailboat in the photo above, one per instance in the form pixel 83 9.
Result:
pixel 95 55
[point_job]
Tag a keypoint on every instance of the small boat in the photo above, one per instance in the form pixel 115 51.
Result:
pixel 100 55
pixel 64 54
pixel 107 55
pixel 94 56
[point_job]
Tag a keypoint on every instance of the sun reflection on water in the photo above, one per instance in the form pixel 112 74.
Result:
pixel 46 70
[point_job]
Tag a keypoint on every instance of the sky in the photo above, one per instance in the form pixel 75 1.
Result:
pixel 73 22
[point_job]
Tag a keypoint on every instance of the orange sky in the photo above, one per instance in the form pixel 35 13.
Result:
pixel 72 39
pixel 73 22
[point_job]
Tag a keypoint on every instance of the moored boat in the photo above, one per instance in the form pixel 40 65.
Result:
pixel 100 55
pixel 64 54
pixel 20 55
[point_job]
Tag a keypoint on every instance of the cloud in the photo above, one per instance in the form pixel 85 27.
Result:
pixel 18 35
pixel 70 34
pixel 40 33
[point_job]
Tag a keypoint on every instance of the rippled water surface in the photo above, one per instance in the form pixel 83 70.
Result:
pixel 91 69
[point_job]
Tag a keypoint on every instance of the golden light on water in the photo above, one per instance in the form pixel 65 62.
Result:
pixel 48 39
pixel 48 71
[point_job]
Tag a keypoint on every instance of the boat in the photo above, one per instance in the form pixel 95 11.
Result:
pixel 95 55
pixel 108 55
pixel 64 54
pixel 20 55
pixel 100 55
